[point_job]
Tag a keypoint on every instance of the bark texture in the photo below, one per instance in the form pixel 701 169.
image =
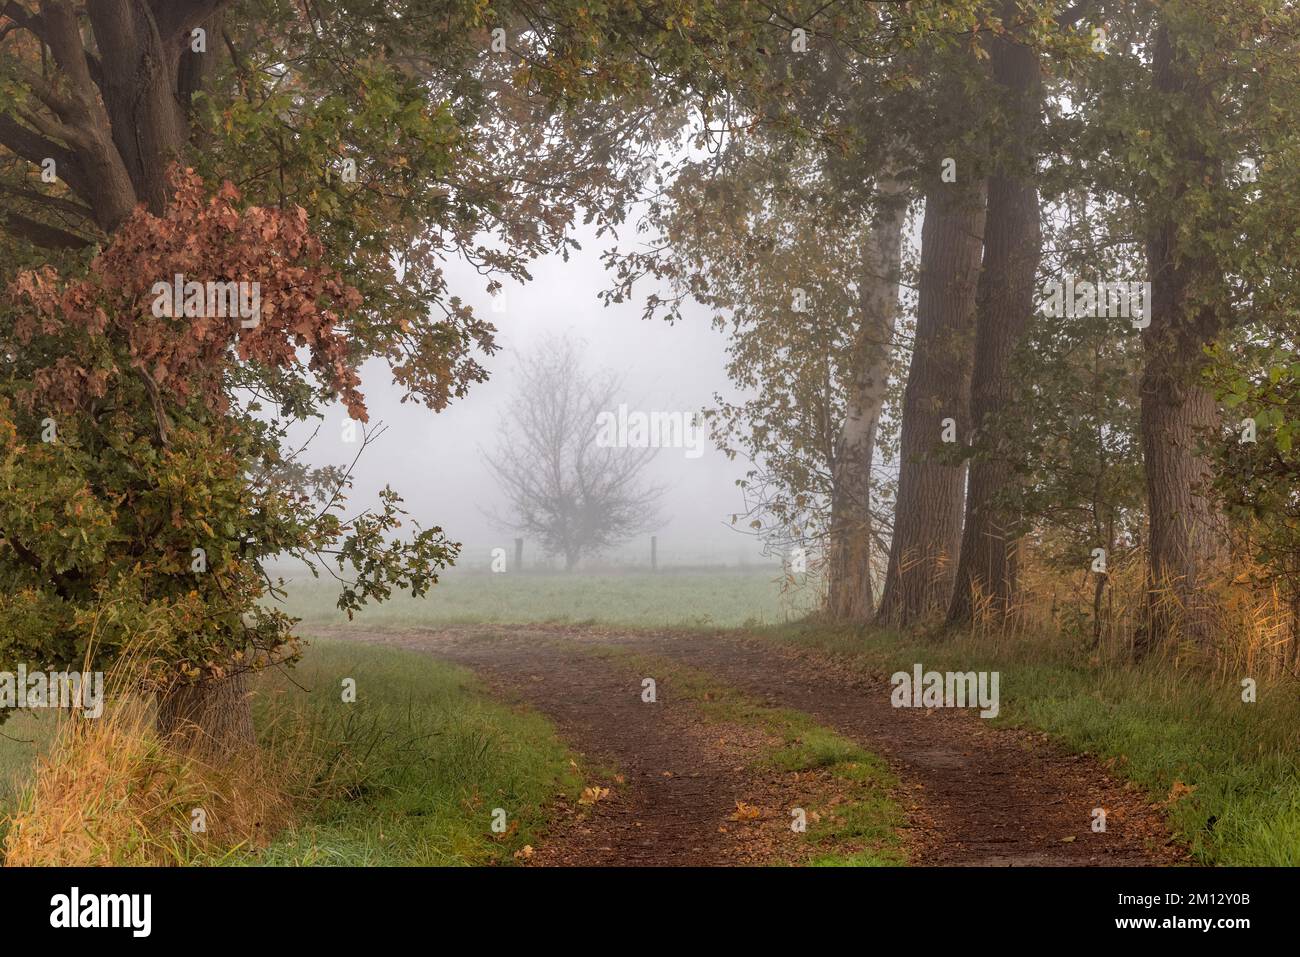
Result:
pixel 1012 248
pixel 211 719
pixel 851 592
pixel 931 483
pixel 114 115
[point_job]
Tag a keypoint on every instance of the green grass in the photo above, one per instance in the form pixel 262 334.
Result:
pixel 861 832
pixel 23 738
pixel 715 598
pixel 415 766
pixel 1160 726
pixel 432 757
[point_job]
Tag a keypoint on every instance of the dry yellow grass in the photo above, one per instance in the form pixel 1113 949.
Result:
pixel 1254 625
pixel 111 792
pixel 114 791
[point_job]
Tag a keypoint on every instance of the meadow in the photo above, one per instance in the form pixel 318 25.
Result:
pixel 1226 771
pixel 710 597
pixel 427 735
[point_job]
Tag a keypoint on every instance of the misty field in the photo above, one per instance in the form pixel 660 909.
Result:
pixel 688 598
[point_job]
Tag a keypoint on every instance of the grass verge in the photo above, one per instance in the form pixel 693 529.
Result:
pixel 23 739
pixel 430 758
pixel 408 774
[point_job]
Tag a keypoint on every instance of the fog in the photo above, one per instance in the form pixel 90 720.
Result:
pixel 434 460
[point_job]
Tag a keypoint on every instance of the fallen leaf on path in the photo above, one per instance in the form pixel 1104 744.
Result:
pixel 1179 791
pixel 746 812
pixel 592 795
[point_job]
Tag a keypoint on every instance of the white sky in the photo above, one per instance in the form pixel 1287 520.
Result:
pixel 434 460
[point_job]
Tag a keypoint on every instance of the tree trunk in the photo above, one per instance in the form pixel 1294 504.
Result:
pixel 851 595
pixel 1186 539
pixel 128 80
pixel 928 511
pixel 1005 303
pixel 126 83
pixel 211 719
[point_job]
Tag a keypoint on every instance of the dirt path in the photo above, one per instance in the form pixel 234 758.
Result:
pixel 975 795
pixel 673 780
pixel 983 796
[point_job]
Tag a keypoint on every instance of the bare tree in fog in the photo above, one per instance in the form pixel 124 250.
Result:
pixel 564 489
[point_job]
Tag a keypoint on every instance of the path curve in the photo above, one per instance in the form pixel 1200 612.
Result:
pixel 976 795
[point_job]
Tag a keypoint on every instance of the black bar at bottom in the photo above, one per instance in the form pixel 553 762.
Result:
pixel 334 906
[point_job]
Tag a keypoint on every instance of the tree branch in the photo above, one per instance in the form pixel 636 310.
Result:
pixel 53 128
pixel 175 18
pixel 63 35
pixel 43 234
pixel 29 144
pixel 23 18
pixel 45 92
pixel 66 206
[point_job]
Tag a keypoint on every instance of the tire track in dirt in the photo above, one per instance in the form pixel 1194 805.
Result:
pixel 976 795
pixel 984 796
